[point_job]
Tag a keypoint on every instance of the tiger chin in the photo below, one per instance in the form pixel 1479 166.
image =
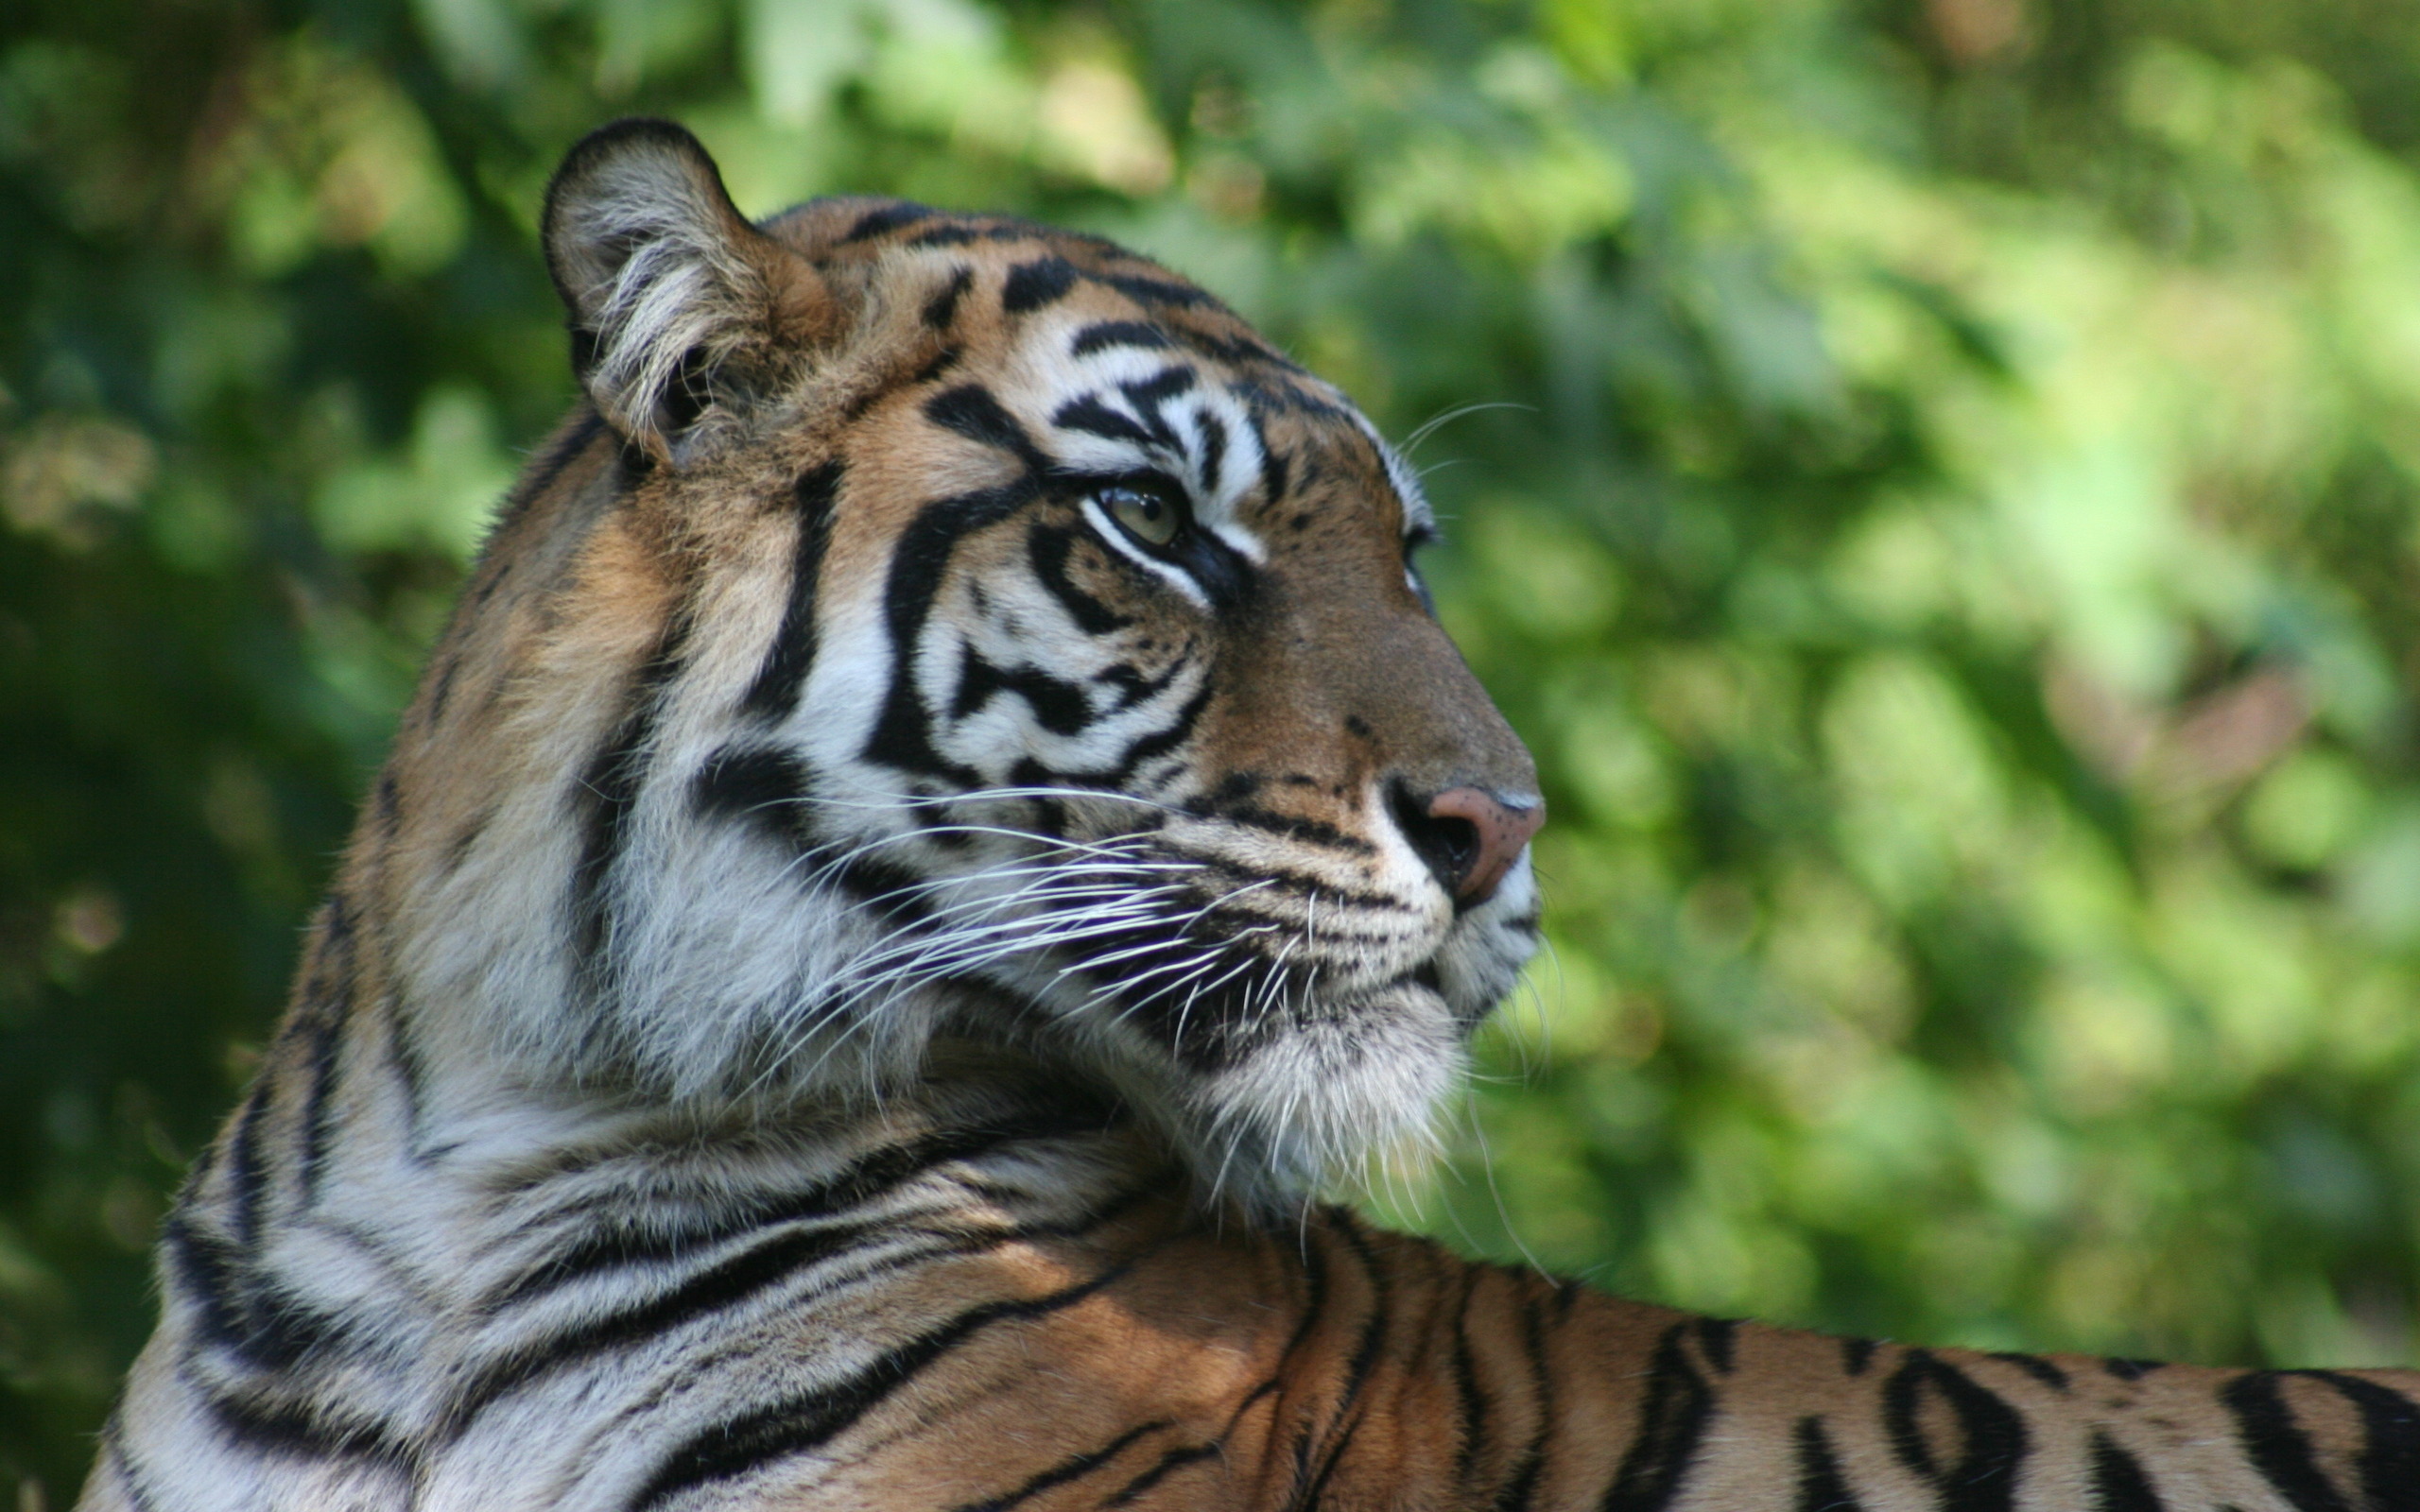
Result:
pixel 943 814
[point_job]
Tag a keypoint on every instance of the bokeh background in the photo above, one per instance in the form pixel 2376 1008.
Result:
pixel 1935 481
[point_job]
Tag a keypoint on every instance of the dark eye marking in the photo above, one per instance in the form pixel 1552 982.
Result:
pixel 1031 286
pixel 1151 515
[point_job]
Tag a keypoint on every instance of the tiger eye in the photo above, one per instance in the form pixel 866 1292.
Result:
pixel 1148 517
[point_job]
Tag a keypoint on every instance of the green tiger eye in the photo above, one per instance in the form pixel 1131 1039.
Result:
pixel 1146 516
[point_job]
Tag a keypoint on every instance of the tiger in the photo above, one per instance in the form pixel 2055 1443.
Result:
pixel 944 812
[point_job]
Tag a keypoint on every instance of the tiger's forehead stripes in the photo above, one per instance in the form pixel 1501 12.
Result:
pixel 1098 299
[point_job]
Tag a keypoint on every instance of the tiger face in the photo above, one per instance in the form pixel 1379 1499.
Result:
pixel 945 630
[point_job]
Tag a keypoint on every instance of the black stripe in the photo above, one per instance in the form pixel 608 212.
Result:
pixel 1106 333
pixel 717 1289
pixel 1214 451
pixel 1175 1459
pixel 970 410
pixel 887 218
pixel 1151 396
pixel 2276 1444
pixel 1470 1406
pixel 1033 285
pixel 2130 1369
pixel 609 789
pixel 1058 707
pixel 963 233
pixel 1292 827
pixel 1243 351
pixel 262 1325
pixel 1049 549
pixel 1715 1336
pixel 1521 1488
pixel 2117 1482
pixel 1165 739
pixel 942 308
pixel 298 1427
pixel 1090 416
pixel 1291 399
pixel 876 1174
pixel 1275 472
pixel 1363 1362
pixel 1992 1436
pixel 901 735
pixel 1820 1487
pixel 2034 1364
pixel 1070 1469
pixel 1672 1419
pixel 1154 293
pixel 736 1279
pixel 766 790
pixel 1374 1331
pixel 773 694
pixel 741 1445
pixel 1856 1354
pixel 247 1178
pixel 2391 1455
pixel 317 1022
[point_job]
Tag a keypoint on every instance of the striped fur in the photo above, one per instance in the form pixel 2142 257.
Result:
pixel 862 947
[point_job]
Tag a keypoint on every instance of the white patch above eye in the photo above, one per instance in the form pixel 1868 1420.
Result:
pixel 1168 572
pixel 1419 519
pixel 1239 541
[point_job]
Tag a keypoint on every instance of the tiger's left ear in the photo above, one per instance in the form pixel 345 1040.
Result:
pixel 682 313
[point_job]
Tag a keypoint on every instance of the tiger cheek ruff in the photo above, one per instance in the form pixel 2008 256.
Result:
pixel 942 813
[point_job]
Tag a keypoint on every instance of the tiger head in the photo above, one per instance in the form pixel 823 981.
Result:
pixel 946 630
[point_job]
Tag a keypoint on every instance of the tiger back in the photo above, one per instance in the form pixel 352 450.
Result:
pixel 943 811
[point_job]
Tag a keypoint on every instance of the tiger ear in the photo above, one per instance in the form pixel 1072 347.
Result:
pixel 682 313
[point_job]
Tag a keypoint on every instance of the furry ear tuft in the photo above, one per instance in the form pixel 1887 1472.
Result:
pixel 681 311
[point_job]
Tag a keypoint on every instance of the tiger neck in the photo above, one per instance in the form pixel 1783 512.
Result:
pixel 469 1181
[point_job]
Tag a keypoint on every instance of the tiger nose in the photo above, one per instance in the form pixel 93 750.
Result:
pixel 1470 838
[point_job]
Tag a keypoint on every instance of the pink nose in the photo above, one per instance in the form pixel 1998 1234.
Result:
pixel 1482 837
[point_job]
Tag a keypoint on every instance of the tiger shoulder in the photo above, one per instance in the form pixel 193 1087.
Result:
pixel 943 812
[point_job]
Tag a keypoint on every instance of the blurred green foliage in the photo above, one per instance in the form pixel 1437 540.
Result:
pixel 1941 502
